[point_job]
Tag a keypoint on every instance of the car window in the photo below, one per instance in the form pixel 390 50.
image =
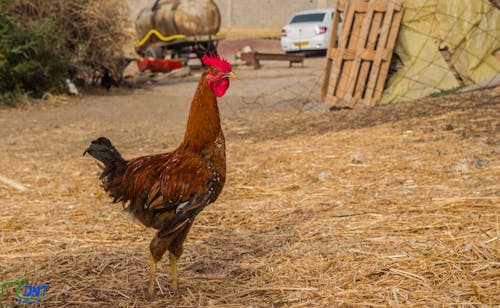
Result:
pixel 340 17
pixel 316 17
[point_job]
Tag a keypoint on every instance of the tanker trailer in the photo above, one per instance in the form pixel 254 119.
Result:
pixel 178 28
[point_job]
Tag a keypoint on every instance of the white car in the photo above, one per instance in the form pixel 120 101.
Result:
pixel 308 30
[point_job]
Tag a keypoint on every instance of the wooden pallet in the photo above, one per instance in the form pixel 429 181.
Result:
pixel 358 62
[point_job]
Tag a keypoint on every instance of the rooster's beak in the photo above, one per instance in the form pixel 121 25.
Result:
pixel 230 75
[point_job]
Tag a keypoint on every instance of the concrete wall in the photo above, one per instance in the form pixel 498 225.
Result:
pixel 264 13
pixel 250 13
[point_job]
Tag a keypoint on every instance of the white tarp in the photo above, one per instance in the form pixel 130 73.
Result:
pixel 469 29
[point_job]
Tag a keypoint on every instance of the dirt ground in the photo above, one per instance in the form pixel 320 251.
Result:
pixel 388 206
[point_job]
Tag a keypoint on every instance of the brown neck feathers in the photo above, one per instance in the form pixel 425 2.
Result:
pixel 203 126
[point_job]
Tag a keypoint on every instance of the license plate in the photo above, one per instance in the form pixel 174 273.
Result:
pixel 301 44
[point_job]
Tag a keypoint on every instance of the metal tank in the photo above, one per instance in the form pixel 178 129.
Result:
pixel 174 17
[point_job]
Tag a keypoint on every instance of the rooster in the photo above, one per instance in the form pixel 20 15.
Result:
pixel 107 81
pixel 166 191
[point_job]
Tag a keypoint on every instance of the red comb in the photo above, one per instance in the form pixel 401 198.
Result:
pixel 211 59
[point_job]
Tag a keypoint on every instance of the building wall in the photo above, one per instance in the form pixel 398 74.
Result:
pixel 250 14
pixel 264 13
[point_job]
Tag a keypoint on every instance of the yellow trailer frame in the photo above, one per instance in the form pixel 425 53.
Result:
pixel 158 44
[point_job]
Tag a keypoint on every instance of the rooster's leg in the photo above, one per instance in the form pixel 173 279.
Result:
pixel 173 269
pixel 152 276
pixel 157 247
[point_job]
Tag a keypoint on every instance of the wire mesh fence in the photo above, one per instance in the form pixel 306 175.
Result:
pixel 442 47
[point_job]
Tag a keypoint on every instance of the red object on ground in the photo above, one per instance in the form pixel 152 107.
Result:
pixel 158 65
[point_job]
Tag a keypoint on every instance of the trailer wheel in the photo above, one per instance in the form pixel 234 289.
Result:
pixel 154 52
pixel 181 54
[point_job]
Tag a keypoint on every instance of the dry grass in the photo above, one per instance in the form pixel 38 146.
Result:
pixel 402 212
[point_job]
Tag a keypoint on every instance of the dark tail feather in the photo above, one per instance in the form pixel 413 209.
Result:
pixel 114 166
